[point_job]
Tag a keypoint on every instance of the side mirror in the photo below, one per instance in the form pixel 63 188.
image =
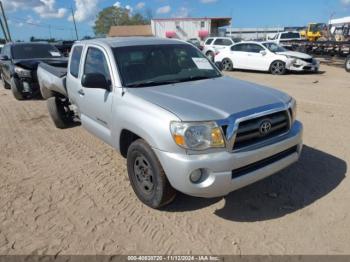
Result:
pixel 95 80
pixel 263 52
pixel 219 65
pixel 4 57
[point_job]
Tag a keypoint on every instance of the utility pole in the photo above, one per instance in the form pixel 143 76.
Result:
pixel 75 25
pixel 50 32
pixel 5 23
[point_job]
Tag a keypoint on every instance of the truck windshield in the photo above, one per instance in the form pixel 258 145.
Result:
pixel 150 65
pixel 274 47
pixel 32 51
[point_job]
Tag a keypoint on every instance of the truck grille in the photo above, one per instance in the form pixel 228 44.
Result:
pixel 250 132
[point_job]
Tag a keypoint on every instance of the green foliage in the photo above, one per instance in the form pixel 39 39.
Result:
pixel 114 16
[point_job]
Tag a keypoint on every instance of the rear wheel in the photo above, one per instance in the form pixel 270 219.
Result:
pixel 278 68
pixel 227 64
pixel 16 89
pixel 147 176
pixel 60 113
pixel 347 64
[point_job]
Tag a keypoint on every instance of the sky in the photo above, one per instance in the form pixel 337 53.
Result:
pixel 45 18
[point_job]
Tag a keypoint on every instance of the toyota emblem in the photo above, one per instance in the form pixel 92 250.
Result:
pixel 265 127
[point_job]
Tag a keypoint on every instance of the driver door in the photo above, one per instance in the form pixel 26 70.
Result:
pixel 95 104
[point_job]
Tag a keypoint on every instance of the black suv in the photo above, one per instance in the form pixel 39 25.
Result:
pixel 18 65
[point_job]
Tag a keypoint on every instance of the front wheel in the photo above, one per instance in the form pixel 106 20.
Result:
pixel 347 64
pixel 147 176
pixel 278 68
pixel 16 89
pixel 227 64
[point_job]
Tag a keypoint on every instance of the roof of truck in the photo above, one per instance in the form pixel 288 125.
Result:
pixel 131 41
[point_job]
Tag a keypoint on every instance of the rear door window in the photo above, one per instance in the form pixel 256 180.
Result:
pixel 209 41
pixel 75 61
pixel 223 41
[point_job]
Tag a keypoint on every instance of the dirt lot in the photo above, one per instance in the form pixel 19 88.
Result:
pixel 65 192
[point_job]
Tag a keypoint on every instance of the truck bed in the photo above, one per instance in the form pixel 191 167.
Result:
pixel 52 79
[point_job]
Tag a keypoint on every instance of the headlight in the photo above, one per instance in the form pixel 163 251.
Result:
pixel 197 135
pixel 293 109
pixel 22 72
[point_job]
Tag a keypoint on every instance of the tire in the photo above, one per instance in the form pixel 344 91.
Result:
pixel 4 83
pixel 278 68
pixel 210 55
pixel 347 64
pixel 227 64
pixel 147 176
pixel 15 88
pixel 59 112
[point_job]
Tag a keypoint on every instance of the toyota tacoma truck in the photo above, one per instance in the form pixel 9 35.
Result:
pixel 180 123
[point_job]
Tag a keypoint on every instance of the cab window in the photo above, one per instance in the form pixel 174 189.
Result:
pixel 222 41
pixel 75 61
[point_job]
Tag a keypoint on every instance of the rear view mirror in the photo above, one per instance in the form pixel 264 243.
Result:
pixel 263 52
pixel 95 80
pixel 219 65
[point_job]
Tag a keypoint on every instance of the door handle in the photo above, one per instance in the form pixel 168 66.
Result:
pixel 81 92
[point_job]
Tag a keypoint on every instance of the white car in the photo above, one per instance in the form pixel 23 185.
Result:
pixel 215 44
pixel 265 56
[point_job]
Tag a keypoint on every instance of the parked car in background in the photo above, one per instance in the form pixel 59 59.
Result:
pixel 196 43
pixel 347 64
pixel 177 120
pixel 214 44
pixel 265 56
pixel 18 65
pixel 283 38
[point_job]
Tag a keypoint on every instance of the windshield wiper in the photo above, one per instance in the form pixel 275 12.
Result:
pixel 152 83
pixel 195 78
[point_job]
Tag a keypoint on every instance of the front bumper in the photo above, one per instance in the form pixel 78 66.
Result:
pixel 220 180
pixel 302 66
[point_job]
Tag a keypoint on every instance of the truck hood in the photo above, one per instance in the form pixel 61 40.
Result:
pixel 296 54
pixel 32 64
pixel 210 99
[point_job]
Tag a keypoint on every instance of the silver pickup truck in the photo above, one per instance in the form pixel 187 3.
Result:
pixel 180 123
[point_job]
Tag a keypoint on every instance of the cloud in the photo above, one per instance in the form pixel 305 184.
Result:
pixel 85 10
pixel 129 8
pixel 345 2
pixel 117 4
pixel 140 5
pixel 182 12
pixel 44 8
pixel 164 9
pixel 208 1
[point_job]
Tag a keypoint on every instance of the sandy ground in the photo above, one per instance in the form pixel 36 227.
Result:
pixel 65 192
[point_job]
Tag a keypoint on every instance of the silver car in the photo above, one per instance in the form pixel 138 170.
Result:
pixel 180 123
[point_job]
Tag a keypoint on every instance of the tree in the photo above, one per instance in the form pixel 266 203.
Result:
pixel 114 16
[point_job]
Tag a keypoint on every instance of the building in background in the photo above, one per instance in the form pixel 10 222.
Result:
pixel 130 30
pixel 188 28
pixel 253 33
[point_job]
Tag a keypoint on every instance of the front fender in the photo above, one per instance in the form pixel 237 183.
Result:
pixel 146 120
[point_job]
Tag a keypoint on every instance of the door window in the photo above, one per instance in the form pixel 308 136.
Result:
pixel 240 48
pixel 75 61
pixel 96 62
pixel 222 41
pixel 209 41
pixel 253 48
